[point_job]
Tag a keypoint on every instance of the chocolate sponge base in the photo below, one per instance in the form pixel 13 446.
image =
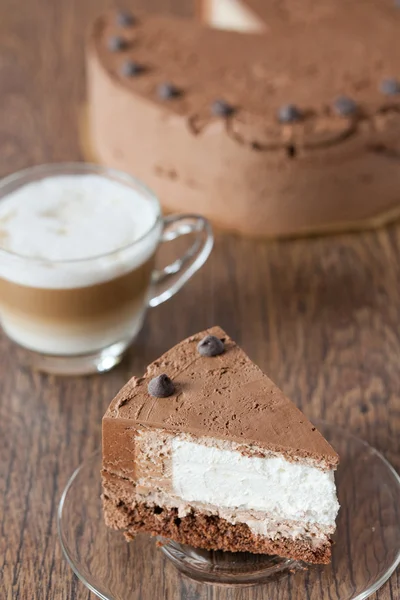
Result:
pixel 208 531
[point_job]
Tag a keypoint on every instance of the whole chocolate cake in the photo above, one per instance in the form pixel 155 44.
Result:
pixel 290 131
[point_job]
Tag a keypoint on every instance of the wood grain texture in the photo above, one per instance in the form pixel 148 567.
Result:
pixel 321 316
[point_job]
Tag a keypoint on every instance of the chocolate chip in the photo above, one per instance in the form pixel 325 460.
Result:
pixel 116 43
pixel 289 113
pixel 220 108
pixel 390 87
pixel 344 106
pixel 161 386
pixel 167 91
pixel 131 69
pixel 125 19
pixel 210 346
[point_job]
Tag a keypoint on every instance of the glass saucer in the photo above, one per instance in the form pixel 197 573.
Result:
pixel 365 553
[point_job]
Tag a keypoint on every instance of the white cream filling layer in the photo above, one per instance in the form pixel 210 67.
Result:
pixel 226 478
pixel 233 14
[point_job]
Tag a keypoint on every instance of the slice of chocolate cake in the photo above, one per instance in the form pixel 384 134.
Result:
pixel 204 449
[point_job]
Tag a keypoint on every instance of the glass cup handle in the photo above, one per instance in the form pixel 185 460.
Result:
pixel 166 282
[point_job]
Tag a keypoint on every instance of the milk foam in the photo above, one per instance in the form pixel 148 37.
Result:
pixel 75 218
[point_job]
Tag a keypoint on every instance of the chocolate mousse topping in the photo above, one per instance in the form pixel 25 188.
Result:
pixel 226 397
pixel 293 11
pixel 258 71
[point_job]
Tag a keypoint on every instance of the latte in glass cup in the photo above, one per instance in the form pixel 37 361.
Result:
pixel 79 254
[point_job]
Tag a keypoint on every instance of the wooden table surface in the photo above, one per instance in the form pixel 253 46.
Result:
pixel 321 316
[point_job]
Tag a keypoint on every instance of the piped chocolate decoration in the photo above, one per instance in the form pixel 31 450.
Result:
pixel 161 386
pixel 131 69
pixel 289 113
pixel 167 91
pixel 390 87
pixel 211 346
pixel 125 19
pixel 344 106
pixel 116 43
pixel 220 108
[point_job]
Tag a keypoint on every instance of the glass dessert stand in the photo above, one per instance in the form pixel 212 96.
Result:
pixel 365 553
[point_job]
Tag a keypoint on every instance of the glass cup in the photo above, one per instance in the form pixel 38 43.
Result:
pixel 79 315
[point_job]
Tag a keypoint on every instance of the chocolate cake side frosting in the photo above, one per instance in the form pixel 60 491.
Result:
pixel 248 169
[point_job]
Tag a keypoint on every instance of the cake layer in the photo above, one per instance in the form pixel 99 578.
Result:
pixel 208 532
pixel 219 146
pixel 150 493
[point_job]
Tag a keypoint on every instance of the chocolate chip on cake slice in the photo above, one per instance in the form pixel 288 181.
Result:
pixel 289 113
pixel 210 346
pixel 161 386
pixel 344 106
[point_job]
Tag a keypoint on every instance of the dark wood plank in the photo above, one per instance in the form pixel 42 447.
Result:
pixel 322 316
